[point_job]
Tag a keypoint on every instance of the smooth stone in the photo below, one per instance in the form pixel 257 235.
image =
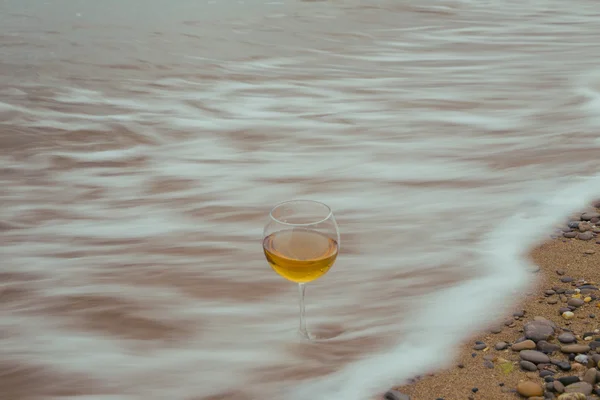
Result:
pixel 528 366
pixel 563 298
pixel 568 315
pixel 538 330
pixel 488 364
pixel 575 348
pixel 573 224
pixel 570 235
pixel 559 387
pixel 585 236
pixel 524 345
pixel 549 292
pixel 596 358
pixel 534 356
pixel 572 396
pixel 590 376
pixel 580 387
pixel 564 366
pixel 551 301
pixel 566 279
pixel 588 287
pixel 519 314
pixel 560 272
pixel 582 359
pixel 480 346
pixel 575 302
pixel 396 395
pixel 594 345
pixel 566 337
pixel 501 346
pixel 589 215
pixel 546 347
pixel 530 389
pixel 546 373
pixel 561 290
pixel 569 380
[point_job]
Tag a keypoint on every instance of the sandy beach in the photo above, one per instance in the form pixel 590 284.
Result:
pixel 489 368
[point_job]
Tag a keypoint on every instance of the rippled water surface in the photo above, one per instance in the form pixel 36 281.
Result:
pixel 142 144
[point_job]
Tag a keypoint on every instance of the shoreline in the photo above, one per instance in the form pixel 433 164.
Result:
pixel 487 367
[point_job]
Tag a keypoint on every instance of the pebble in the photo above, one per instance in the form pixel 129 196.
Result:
pixel 549 292
pixel 547 348
pixel 566 338
pixel 564 365
pixel 528 366
pixel 563 298
pixel 585 236
pixel 580 387
pixel 524 345
pixel 572 396
pixel 396 395
pixel 568 315
pixel 480 346
pixel 538 330
pixel 586 216
pixel 590 376
pixel 566 279
pixel 530 389
pixel 501 346
pixel 547 374
pixel 589 252
pixel 570 235
pixel 575 348
pixel 488 364
pixel 560 272
pixel 559 387
pixel 519 314
pixel 569 380
pixel 553 300
pixel 576 302
pixel 582 359
pixel 534 356
pixel 573 224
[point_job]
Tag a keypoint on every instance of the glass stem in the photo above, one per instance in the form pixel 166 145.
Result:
pixel 302 329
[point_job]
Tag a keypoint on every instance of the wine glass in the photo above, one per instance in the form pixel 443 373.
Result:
pixel 301 242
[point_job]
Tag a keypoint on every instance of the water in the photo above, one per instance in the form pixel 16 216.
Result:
pixel 143 144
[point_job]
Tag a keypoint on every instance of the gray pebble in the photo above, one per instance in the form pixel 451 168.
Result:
pixel 528 366
pixel 488 364
pixel 582 359
pixel 585 236
pixel 566 338
pixel 566 279
pixel 547 348
pixel 570 235
pixel 501 346
pixel 538 330
pixel 534 356
pixel 480 346
pixel 586 216
pixel 576 302
pixel 549 292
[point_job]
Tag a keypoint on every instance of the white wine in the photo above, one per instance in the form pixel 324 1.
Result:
pixel 300 255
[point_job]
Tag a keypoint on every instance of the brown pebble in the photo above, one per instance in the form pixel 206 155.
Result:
pixel 560 272
pixel 559 387
pixel 590 376
pixel 589 252
pixel 530 389
pixel 524 345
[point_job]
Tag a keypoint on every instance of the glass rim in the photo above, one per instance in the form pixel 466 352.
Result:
pixel 329 212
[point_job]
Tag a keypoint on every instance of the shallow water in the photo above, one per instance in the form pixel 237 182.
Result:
pixel 143 144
